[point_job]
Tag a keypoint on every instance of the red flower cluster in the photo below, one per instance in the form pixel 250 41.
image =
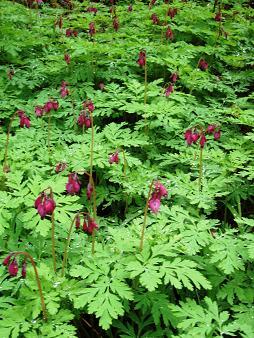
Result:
pixel 155 19
pixel 84 116
pixel 89 224
pixel 130 8
pixel 71 32
pixel 202 64
pixel 24 121
pixel 89 191
pixel 45 204
pixel 114 158
pixel 48 106
pixel 73 185
pixel 141 58
pixel 64 91
pixel 155 200
pixel 13 267
pixel 195 135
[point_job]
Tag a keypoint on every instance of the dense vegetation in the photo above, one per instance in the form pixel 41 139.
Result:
pixel 127 169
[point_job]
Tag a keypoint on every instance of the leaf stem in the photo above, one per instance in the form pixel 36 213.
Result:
pixel 65 256
pixel 145 218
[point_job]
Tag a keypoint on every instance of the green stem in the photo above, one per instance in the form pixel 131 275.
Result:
pixel 38 281
pixel 200 176
pixel 145 218
pixel 65 256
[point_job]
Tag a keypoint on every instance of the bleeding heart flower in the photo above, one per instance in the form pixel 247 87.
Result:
pixel 195 136
pixel 188 136
pixel 67 58
pixel 172 12
pixel 217 135
pixel 92 30
pixel 89 191
pixel 77 222
pixel 218 17
pixel 169 34
pixel 210 129
pixel 7 260
pixel 114 158
pixel 73 184
pixel 202 140
pixel 202 64
pixel 174 77
pixel 169 90
pixel 160 189
pixel 49 205
pixel 155 19
pixel 154 204
pixel 142 58
pixel 13 268
pixel 39 111
pixel 130 8
pixel 23 271
pixel 116 23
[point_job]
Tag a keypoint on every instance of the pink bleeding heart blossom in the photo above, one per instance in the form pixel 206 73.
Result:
pixel 23 271
pixel 202 64
pixel 89 191
pixel 73 185
pixel 116 23
pixel 210 129
pixel 64 91
pixel 202 140
pixel 188 136
pixel 169 90
pixel 217 135
pixel 218 17
pixel 174 77
pixel 90 226
pixel 93 10
pixel 142 58
pixel 130 8
pixel 7 260
pixel 24 120
pixel 154 203
pixel 44 204
pixel 172 12
pixel 160 190
pixel 61 166
pixel 77 222
pixel 91 29
pixel 13 268
pixel 114 158
pixel 169 34
pixel 155 19
pixel 67 58
pixel 39 111
pixel 195 136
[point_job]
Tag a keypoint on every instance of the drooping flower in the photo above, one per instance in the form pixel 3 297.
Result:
pixel 77 221
pixel 89 191
pixel 169 90
pixel 202 64
pixel 84 119
pixel 169 34
pixel 142 58
pixel 116 23
pixel 67 58
pixel 114 158
pixel 24 120
pixel 23 271
pixel 172 12
pixel 89 105
pixel 195 136
pixel 44 204
pixel 130 8
pixel 202 140
pixel 73 184
pixel 90 227
pixel 7 260
pixel 160 190
pixel 91 29
pixel 68 32
pixel 154 203
pixel 39 111
pixel 61 166
pixel 188 136
pixel 218 17
pixel 174 77
pixel 217 135
pixel 155 19
pixel 93 10
pixel 13 268
pixel 210 129
pixel 64 91
pixel 10 73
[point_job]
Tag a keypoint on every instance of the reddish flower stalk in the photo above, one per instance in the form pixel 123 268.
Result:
pixel 145 217
pixel 38 281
